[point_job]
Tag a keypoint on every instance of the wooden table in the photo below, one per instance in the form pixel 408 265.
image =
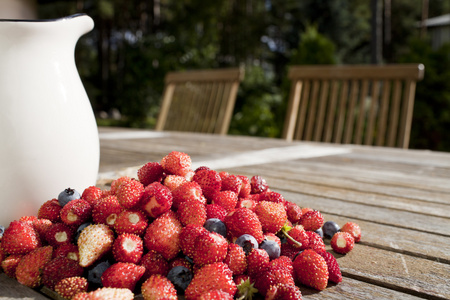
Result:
pixel 400 198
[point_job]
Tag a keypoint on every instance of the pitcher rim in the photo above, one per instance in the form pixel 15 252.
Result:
pixel 44 20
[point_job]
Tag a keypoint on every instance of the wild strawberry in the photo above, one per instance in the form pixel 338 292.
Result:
pixel 353 229
pixel 117 182
pixel 122 275
pixel 312 220
pixel 192 212
pixel 213 276
pixel 245 187
pixel 231 183
pixel 215 294
pixel 156 199
pixel 236 259
pixel 187 190
pixel 158 287
pixel 76 212
pixel 106 210
pixel 311 269
pixel 247 203
pixel 131 221
pixel 226 199
pixel 92 194
pixel 150 172
pixel 58 269
pixel 283 262
pixel 293 212
pixel 257 262
pixel 283 291
pixel 68 250
pixel 173 181
pixel 315 242
pixel 177 163
pixel 188 235
pixel 209 181
pixel 180 261
pixel 215 211
pixel 298 237
pixel 162 235
pixel 29 268
pixel 209 247
pixel 244 221
pixel 20 238
pixel 58 234
pixel 154 263
pixel 106 293
pixel 10 263
pixel 50 210
pixel 273 275
pixel 289 250
pixel 333 267
pixel 94 241
pixel 28 219
pixel 129 193
pixel 41 226
pixel 272 215
pixel 128 247
pixel 342 242
pixel 69 287
pixel 258 184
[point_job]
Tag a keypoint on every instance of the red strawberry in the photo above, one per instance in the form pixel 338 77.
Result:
pixel 41 226
pixel 10 263
pixel 69 287
pixel 58 234
pixel 273 197
pixel 245 188
pixel 162 235
pixel 244 221
pixel 226 199
pixel 154 263
pixel 177 163
pixel 187 190
pixel 28 219
pixel 213 276
pixel 94 241
pixel 117 182
pixel 209 247
pixel 192 212
pixel 129 193
pixel 131 221
pixel 236 259
pixel 58 269
pixel 173 181
pixel 273 275
pixel 76 212
pixel 293 212
pixel 258 184
pixel 283 262
pixel 106 293
pixel 231 183
pixel 272 215
pixel 209 181
pixel 106 210
pixel 92 194
pixel 315 242
pixel 333 267
pixel 150 172
pixel 215 294
pixel 50 210
pixel 156 199
pixel 247 203
pixel 257 262
pixel 67 250
pixel 312 220
pixel 298 233
pixel 353 229
pixel 283 291
pixel 273 237
pixel 188 235
pixel 122 275
pixel 180 261
pixel 311 269
pixel 20 238
pixel 29 269
pixel 128 247
pixel 289 250
pixel 215 211
pixel 158 287
pixel 342 242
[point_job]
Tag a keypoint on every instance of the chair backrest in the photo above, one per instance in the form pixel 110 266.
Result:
pixel 199 101
pixel 352 104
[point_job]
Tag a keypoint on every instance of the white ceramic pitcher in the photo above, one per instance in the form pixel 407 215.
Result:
pixel 48 134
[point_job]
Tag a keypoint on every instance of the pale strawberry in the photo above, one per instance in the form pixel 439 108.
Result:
pixel 257 262
pixel 312 220
pixel 58 234
pixel 231 183
pixel 192 211
pixel 226 199
pixel 353 229
pixel 156 199
pixel 29 268
pixel 215 211
pixel 187 238
pixel 28 219
pixel 244 221
pixel 50 210
pixel 76 212
pixel 92 194
pixel 106 293
pixel 209 247
pixel 122 275
pixel 334 270
pixel 187 190
pixel 173 181
pixel 117 182
pixel 150 172
pixel 94 241
pixel 215 294
pixel 20 238
pixel 272 215
pixel 209 181
pixel 311 269
pixel 236 259
pixel 131 221
pixel 247 203
pixel 245 187
pixel 342 242
pixel 59 268
pixel 10 263
pixel 177 163
pixel 106 210
pixel 154 263
pixel 69 287
pixel 129 193
pixel 158 287
pixel 128 247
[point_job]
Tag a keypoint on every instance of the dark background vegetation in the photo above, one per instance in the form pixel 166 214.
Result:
pixel 122 62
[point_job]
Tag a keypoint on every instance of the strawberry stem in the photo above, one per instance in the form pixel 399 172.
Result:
pixel 285 230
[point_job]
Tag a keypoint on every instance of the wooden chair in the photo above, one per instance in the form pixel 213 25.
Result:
pixel 199 101
pixel 352 104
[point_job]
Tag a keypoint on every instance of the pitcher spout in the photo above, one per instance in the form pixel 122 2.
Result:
pixel 82 23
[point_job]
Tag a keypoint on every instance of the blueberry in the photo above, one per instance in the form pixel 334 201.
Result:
pixel 319 232
pixel 80 229
pixel 180 276
pixel 247 242
pixel 272 248
pixel 2 230
pixel 68 195
pixel 215 225
pixel 95 274
pixel 329 228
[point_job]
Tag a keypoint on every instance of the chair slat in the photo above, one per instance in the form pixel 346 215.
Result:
pixel 383 119
pixel 348 134
pixel 395 112
pixel 374 100
pixel 339 127
pixel 361 112
pixel 311 114
pixel 319 122
pixel 331 114
pixel 301 120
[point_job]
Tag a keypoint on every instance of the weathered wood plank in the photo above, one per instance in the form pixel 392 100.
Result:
pixel 12 289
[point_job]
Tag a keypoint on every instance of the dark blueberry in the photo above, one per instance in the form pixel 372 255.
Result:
pixel 95 274
pixel 180 276
pixel 247 242
pixel 68 195
pixel 215 225
pixel 2 230
pixel 272 248
pixel 80 229
pixel 329 228
pixel 319 232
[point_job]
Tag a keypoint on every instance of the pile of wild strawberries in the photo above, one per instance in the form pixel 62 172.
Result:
pixel 175 231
